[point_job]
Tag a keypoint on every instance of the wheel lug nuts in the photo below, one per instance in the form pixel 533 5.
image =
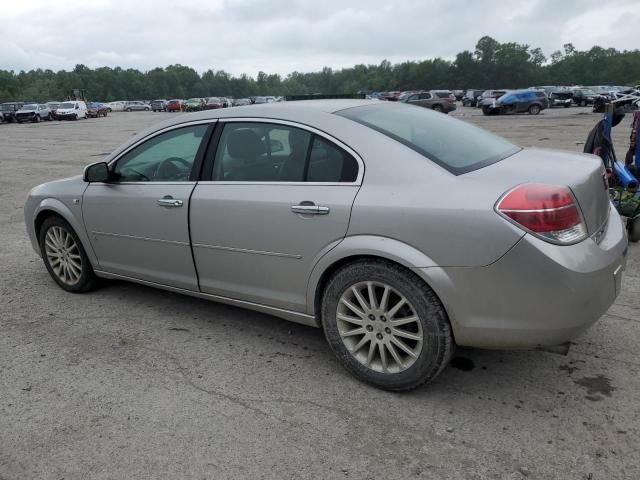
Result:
pixel 383 318
pixel 372 317
pixel 369 328
pixel 387 330
pixel 379 336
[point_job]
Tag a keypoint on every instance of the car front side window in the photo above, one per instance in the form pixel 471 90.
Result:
pixel 167 157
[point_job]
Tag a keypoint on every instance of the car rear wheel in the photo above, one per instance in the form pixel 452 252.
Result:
pixel 385 325
pixel 438 108
pixel 128 109
pixel 64 257
pixel 534 109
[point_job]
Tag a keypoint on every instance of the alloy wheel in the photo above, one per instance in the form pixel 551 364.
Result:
pixel 63 255
pixel 379 327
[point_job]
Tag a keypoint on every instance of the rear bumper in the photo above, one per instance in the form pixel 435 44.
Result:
pixel 537 294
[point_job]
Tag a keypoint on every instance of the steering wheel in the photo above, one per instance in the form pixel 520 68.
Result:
pixel 167 170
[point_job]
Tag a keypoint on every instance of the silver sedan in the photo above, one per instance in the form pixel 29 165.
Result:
pixel 399 231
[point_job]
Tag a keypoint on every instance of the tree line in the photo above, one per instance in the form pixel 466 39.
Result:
pixel 491 65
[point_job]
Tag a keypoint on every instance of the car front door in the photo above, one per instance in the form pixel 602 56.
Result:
pixel 138 223
pixel 279 195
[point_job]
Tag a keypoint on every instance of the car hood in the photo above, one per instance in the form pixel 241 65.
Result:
pixel 25 111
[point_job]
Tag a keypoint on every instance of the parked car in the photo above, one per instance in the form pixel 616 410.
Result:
pixel 516 101
pixel 96 109
pixel 470 98
pixel 444 94
pixel 174 105
pixel 117 106
pixel 136 106
pixel 159 105
pixel 194 105
pixel 560 98
pixel 239 102
pixel 583 96
pixel 53 108
pixel 429 100
pixel 9 110
pixel 395 281
pixel 458 94
pixel 33 112
pixel 487 97
pixel 214 102
pixel 72 110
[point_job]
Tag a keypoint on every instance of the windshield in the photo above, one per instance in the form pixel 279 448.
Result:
pixel 29 107
pixel 455 145
pixel 7 108
pixel 66 105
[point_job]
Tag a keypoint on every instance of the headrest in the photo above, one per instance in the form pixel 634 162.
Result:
pixel 245 143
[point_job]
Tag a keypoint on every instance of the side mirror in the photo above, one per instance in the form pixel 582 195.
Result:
pixel 96 172
pixel 77 107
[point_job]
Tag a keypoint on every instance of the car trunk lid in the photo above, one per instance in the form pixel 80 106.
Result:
pixel 583 174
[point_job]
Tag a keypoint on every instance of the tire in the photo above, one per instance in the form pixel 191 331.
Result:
pixel 37 119
pixel 534 109
pixel 567 105
pixel 128 109
pixel 633 225
pixel 583 103
pixel 438 108
pixel 50 117
pixel 109 109
pixel 430 324
pixel 75 117
pixel 76 274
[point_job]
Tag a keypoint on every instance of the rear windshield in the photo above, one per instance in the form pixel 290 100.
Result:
pixel 457 146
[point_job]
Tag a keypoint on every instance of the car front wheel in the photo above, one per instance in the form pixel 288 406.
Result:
pixel 534 109
pixel 385 325
pixel 64 257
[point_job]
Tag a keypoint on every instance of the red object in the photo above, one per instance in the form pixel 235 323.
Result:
pixel 541 208
pixel 174 106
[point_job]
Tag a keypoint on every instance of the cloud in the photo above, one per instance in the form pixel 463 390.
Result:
pixel 281 36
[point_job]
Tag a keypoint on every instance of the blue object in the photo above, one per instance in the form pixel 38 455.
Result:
pixel 623 174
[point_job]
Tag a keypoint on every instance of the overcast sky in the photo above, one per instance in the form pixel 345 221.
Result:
pixel 280 36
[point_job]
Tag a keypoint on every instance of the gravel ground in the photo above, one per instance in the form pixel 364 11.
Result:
pixel 129 382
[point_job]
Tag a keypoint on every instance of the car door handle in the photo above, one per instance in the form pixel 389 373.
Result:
pixel 309 208
pixel 169 201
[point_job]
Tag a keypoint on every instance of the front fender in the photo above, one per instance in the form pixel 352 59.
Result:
pixel 72 215
pixel 365 245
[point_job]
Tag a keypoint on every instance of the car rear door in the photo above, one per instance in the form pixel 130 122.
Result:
pixel 138 224
pixel 277 197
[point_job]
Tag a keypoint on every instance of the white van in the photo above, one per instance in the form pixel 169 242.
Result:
pixel 72 110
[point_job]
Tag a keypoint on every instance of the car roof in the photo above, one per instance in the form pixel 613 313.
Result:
pixel 302 111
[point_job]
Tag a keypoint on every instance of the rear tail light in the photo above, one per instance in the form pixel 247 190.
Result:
pixel 550 212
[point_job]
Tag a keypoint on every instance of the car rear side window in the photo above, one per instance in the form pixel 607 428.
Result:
pixel 270 152
pixel 455 145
